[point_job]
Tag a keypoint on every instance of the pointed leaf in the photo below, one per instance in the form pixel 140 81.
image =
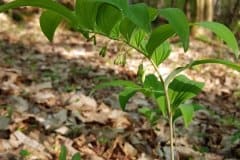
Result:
pixel 158 36
pixel 179 23
pixel 49 22
pixel 126 28
pixel 161 53
pixel 107 18
pixel 125 95
pixel 138 39
pixel 140 10
pixel 132 12
pixel 174 73
pixel 153 86
pixel 63 153
pixel 224 33
pixel 182 88
pixel 178 113
pixel 153 13
pixel 46 4
pixel 76 156
pixel 187 111
pixel 86 11
pixel 161 102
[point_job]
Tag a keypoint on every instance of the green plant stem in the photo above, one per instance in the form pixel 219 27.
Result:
pixel 168 104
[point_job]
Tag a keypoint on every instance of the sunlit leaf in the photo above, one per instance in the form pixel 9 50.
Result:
pixel 178 21
pixel 161 53
pixel 224 33
pixel 49 22
pixel 138 39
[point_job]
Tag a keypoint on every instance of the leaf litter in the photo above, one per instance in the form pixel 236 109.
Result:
pixel 45 102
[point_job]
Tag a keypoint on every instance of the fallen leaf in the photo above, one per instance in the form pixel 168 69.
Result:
pixel 21 137
pixel 20 104
pixel 4 122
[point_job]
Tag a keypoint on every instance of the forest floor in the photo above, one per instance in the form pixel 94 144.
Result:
pixel 45 101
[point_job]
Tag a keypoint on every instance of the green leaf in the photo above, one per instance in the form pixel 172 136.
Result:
pixel 126 28
pixel 140 10
pixel 161 53
pixel 107 18
pixel 158 36
pixel 161 102
pixel 179 23
pixel 187 111
pixel 224 33
pixel 130 88
pixel 24 153
pixel 76 156
pixel 63 153
pixel 138 39
pixel 181 89
pixel 132 12
pixel 49 22
pixel 153 13
pixel 86 11
pixel 152 86
pixel 120 4
pixel 125 95
pixel 235 137
pixel 174 73
pixel 46 4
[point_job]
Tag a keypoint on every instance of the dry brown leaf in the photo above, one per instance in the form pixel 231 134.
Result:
pixel 9 79
pixel 19 103
pixel 129 150
pixel 22 138
pixel 47 97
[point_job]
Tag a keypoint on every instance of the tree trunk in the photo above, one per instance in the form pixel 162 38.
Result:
pixel 204 12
